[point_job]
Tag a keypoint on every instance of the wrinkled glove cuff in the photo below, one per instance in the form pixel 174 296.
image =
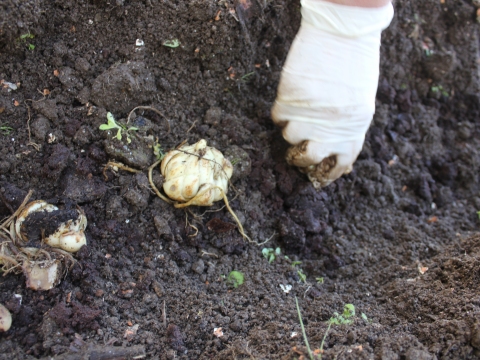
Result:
pixel 343 20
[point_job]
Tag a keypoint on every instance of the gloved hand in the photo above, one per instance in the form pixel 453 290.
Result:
pixel 326 96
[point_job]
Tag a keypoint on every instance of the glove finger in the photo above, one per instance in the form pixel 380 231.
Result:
pixel 324 163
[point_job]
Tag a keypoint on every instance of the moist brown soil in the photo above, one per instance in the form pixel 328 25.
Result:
pixel 397 238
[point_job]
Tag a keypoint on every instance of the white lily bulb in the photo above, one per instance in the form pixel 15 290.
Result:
pixel 68 236
pixel 196 174
pixel 5 319
pixel 42 275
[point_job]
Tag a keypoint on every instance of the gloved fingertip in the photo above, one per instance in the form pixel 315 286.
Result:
pixel 297 155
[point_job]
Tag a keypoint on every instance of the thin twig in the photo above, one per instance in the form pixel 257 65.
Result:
pixel 30 142
pixel 119 166
pixel 191 127
pixel 164 315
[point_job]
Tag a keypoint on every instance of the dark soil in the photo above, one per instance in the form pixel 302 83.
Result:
pixel 396 238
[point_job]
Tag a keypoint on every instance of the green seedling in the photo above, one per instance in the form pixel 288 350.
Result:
pixel 478 214
pixel 24 39
pixel 364 317
pixel 234 161
pixel 235 278
pixel 270 254
pixel 121 128
pixel 305 338
pixel 345 318
pixel 246 78
pixel 302 276
pixel 171 43
pixel 439 88
pixel 320 280
pixel 158 151
pixel 339 319
pixel 6 130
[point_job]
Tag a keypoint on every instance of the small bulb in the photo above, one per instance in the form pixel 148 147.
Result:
pixel 5 319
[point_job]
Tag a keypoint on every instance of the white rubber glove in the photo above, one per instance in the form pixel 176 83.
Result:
pixel 326 96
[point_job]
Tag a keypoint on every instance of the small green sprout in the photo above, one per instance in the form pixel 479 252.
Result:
pixel 26 36
pixel 158 151
pixel 234 161
pixel 246 78
pixel 478 214
pixel 24 39
pixel 302 276
pixel 295 263
pixel 6 130
pixel 305 338
pixel 439 88
pixel 235 278
pixel 364 317
pixel 171 43
pixel 112 124
pixel 320 280
pixel 270 254
pixel 338 319
pixel 344 318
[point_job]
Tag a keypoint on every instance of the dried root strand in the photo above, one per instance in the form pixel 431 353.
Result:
pixel 154 188
pixel 8 226
pixel 119 166
pixel 192 200
pixel 148 108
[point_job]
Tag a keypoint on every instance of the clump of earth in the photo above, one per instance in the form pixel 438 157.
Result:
pixel 397 238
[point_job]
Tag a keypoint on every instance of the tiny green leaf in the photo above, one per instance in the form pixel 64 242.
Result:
pixel 111 119
pixel 278 251
pixel 235 278
pixel 171 43
pixel 478 213
pixel 302 276
pixel 295 263
pixel 26 36
pixel 348 311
